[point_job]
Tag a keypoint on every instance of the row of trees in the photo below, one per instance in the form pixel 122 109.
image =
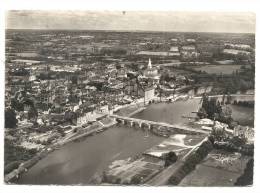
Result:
pixel 19 72
pixel 250 104
pixel 212 109
pixel 247 177
pixel 190 163
pixel 170 158
pixel 10 117
pixel 113 51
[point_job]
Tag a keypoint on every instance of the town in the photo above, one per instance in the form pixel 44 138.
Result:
pixel 186 96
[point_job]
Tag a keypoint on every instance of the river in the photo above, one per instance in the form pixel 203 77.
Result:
pixel 244 115
pixel 170 112
pixel 78 162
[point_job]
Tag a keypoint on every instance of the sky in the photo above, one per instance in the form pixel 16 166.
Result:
pixel 231 22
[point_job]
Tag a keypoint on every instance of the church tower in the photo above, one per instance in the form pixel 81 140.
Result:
pixel 149 64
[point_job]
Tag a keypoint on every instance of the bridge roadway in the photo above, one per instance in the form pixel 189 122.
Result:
pixel 150 123
pixel 242 97
pixel 251 96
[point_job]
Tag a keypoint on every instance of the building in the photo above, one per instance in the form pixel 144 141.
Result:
pixel 236 52
pixel 148 94
pixel 151 72
pixel 189 52
pixel 132 88
pixel 174 50
pixel 191 40
pixel 157 53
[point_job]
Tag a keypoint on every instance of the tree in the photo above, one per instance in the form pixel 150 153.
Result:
pixel 136 180
pixel 226 112
pixel 210 106
pixel 170 158
pixel 205 102
pixel 228 99
pixel 33 114
pixel 10 118
pixel 202 113
pixel 16 105
pixel 118 66
pixel 212 109
pixel 74 79
pixel 69 116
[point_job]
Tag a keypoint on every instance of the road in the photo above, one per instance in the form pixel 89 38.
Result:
pixel 160 124
pixel 163 177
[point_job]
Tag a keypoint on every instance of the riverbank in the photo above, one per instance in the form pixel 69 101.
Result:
pixel 160 112
pixel 81 162
pixel 126 110
pixel 23 167
pixel 130 110
pixel 138 106
pixel 149 167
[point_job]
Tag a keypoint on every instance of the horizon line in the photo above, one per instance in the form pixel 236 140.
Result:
pixel 111 30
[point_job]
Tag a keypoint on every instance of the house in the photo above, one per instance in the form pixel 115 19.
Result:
pixel 148 93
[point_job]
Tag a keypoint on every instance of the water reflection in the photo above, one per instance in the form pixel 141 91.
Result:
pixel 77 163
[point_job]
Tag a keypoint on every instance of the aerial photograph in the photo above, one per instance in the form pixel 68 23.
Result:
pixel 129 98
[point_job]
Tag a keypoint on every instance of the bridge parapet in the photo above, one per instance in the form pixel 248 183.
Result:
pixel 129 123
pixel 156 126
pixel 235 97
pixel 153 126
pixel 146 125
pixel 121 121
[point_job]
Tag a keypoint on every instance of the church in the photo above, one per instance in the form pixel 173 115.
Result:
pixel 151 72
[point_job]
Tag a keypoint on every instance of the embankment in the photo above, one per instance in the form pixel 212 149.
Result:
pixel 246 179
pixel 23 167
pixel 190 162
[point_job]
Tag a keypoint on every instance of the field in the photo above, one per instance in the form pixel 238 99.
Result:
pixel 219 168
pixel 218 69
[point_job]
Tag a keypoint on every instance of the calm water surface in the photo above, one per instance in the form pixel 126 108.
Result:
pixel 79 162
pixel 170 112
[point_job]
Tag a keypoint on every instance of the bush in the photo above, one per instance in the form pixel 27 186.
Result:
pixel 191 162
pixel 170 158
pixel 136 180
pixel 238 141
pixel 16 153
pixel 11 166
pixel 10 118
pixel 247 177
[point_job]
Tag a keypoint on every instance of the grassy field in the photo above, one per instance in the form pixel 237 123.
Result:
pixel 218 69
pixel 219 168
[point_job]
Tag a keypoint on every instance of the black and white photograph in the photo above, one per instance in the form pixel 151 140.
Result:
pixel 129 98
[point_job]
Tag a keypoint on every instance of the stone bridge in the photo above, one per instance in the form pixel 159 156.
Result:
pixel 235 97
pixel 146 124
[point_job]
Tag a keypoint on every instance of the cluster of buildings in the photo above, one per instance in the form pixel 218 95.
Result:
pixel 175 50
pixel 237 49
pixel 56 80
pixel 77 88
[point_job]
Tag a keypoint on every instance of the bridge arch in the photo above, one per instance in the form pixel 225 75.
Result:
pixel 136 124
pixel 146 125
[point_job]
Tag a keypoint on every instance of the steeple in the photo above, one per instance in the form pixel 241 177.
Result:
pixel 149 64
